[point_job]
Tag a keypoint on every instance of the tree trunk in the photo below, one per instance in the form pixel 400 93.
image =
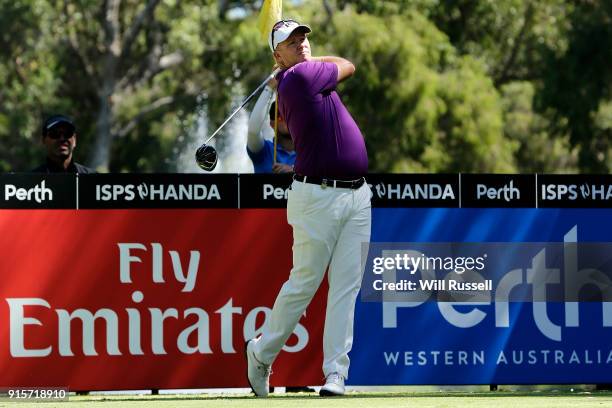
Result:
pixel 100 154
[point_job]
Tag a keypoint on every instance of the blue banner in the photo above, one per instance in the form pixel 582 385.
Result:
pixel 486 342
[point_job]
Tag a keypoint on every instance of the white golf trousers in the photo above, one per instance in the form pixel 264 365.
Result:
pixel 329 226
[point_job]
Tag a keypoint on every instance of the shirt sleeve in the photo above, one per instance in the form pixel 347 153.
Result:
pixel 262 160
pixel 317 77
pixel 258 120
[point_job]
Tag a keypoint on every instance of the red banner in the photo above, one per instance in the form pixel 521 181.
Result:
pixel 145 299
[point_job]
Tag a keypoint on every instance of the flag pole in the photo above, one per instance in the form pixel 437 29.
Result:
pixel 271 12
pixel 275 126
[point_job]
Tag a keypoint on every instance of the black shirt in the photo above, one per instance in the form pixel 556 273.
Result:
pixel 73 167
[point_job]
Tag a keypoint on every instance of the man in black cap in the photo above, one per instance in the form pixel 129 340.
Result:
pixel 59 137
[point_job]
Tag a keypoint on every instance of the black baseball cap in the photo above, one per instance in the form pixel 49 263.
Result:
pixel 55 120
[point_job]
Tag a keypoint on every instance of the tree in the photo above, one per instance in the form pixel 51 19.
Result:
pixel 507 36
pixel 457 85
pixel 420 105
pixel 28 81
pixel 537 151
pixel 121 53
pixel 130 72
pixel 578 85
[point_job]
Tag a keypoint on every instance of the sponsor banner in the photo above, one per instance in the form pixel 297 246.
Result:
pixel 264 190
pixel 389 190
pixel 37 191
pixel 141 299
pixel 169 303
pixel 498 190
pixel 270 191
pixel 158 191
pixel 574 191
pixel 486 341
pixel 414 190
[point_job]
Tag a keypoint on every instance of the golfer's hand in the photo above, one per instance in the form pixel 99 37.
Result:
pixel 273 83
pixel 279 168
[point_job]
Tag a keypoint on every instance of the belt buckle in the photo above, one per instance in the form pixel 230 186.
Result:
pixel 324 183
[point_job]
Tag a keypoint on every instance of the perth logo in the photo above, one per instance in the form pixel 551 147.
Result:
pixel 572 192
pixel 507 192
pixel 270 192
pixel 159 192
pixel 414 191
pixel 38 193
pixel 570 280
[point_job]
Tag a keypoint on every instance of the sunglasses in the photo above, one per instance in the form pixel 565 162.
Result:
pixel 60 133
pixel 285 23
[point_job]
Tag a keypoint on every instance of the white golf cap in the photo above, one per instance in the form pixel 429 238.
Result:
pixel 282 29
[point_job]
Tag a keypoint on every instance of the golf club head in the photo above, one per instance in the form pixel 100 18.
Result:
pixel 206 157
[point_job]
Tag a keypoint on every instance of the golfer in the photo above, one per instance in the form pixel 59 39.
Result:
pixel 328 207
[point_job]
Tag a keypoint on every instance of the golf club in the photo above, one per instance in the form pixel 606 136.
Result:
pixel 206 155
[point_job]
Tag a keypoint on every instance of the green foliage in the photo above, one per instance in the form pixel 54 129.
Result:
pixel 537 152
pixel 507 36
pixel 59 62
pixel 28 81
pixel 420 105
pixel 441 85
pixel 578 85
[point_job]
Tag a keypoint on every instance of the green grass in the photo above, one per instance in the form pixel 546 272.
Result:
pixel 498 399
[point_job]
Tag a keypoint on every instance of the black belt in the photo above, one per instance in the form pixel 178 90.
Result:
pixel 329 182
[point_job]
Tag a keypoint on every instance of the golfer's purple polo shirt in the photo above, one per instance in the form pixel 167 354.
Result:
pixel 327 140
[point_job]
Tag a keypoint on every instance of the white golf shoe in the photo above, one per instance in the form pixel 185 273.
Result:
pixel 258 373
pixel 334 386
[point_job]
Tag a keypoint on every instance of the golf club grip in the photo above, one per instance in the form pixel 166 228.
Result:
pixel 248 98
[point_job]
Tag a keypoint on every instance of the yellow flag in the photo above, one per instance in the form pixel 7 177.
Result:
pixel 271 12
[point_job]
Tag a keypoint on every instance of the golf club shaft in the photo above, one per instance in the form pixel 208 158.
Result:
pixel 248 98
